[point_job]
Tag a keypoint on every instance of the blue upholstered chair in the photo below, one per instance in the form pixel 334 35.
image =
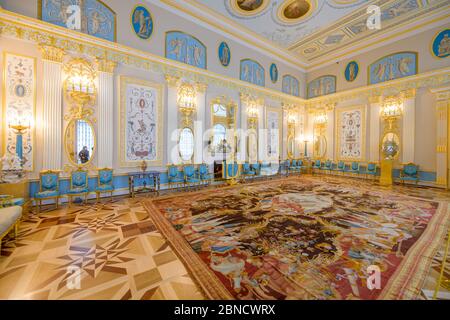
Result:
pixel 410 172
pixel 301 166
pixel 316 165
pixel 173 177
pixel 78 185
pixel 327 166
pixel 247 171
pixel 232 170
pixel 293 167
pixel 354 168
pixel 104 182
pixel 48 188
pixel 191 176
pixel 371 170
pixel 205 176
pixel 257 168
pixel 340 167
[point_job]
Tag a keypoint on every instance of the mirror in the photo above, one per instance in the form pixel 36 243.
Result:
pixel 390 146
pixel 186 144
pixel 80 142
pixel 320 146
pixel 252 147
pixel 290 147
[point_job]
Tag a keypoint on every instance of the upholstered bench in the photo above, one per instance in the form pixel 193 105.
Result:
pixel 9 220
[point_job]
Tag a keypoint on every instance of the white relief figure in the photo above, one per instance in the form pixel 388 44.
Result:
pixel 391 71
pixel 245 75
pixel 403 65
pixel 96 22
pixel 176 45
pixel 197 55
pixel 379 71
pixel 140 18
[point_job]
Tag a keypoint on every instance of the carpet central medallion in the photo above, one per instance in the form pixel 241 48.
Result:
pixel 299 239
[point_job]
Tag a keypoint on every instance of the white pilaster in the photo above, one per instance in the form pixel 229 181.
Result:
pixel 105 114
pixel 374 128
pixel 330 134
pixel 442 141
pixel 409 123
pixel 199 126
pixel 173 156
pixel 52 107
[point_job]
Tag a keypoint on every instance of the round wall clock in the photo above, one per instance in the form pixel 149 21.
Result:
pixel 142 22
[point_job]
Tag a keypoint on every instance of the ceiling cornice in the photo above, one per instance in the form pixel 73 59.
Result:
pixel 204 14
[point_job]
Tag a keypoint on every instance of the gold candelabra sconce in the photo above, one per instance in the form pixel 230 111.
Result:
pixel 252 113
pixel 187 102
pixel 391 111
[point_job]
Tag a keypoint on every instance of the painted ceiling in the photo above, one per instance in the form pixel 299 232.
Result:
pixel 284 22
pixel 311 29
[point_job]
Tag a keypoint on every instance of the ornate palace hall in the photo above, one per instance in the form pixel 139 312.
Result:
pixel 225 150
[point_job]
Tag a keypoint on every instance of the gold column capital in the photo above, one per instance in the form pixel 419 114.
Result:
pixel 172 81
pixel 52 53
pixel 375 99
pixel 105 65
pixel 201 87
pixel 409 94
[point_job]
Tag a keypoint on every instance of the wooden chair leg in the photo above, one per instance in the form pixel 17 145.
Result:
pixel 16 230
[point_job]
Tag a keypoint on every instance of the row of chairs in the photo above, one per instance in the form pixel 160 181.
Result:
pixel 49 185
pixel 189 175
pixel 341 167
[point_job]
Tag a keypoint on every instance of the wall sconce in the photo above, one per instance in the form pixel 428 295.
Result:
pixel 20 124
pixel 292 117
pixel 391 110
pixel 80 82
pixel 187 101
pixel 252 113
pixel 321 119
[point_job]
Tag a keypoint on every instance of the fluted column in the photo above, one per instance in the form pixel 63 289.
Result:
pixel 173 156
pixel 409 125
pixel 105 113
pixel 374 128
pixel 199 125
pixel 52 58
pixel 442 109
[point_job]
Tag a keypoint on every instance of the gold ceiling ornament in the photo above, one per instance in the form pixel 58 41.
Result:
pixel 187 102
pixel 248 7
pixel 52 53
pixel 105 65
pixel 294 11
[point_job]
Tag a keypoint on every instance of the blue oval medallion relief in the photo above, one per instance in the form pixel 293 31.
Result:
pixel 142 22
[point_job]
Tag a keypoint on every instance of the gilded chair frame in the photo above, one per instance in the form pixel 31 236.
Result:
pixel 15 227
pixel 375 172
pixel 99 192
pixel 195 175
pixel 70 196
pixel 402 175
pixel 177 184
pixel 39 201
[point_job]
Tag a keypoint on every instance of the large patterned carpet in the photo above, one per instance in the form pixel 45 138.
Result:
pixel 302 238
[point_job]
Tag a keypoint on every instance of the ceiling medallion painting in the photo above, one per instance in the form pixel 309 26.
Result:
pixel 293 11
pixel 248 7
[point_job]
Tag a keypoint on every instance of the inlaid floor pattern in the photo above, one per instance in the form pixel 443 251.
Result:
pixel 115 252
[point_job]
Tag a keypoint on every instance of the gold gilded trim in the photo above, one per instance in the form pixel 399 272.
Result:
pixel 52 53
pixel 338 132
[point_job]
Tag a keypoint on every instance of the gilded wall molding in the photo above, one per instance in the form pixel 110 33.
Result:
pixel 201 87
pixel 52 53
pixel 105 65
pixel 172 81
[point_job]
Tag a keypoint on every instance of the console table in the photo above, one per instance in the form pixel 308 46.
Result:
pixel 151 182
